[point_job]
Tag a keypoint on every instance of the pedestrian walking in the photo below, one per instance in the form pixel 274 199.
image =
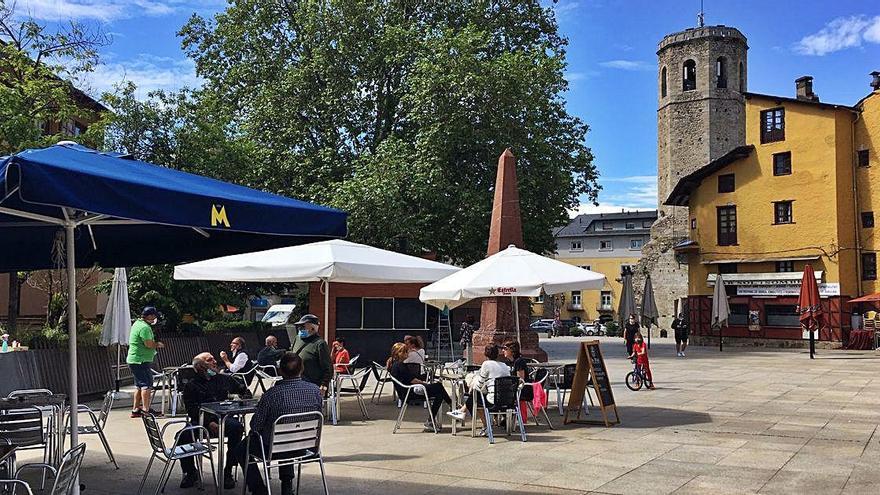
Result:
pixel 682 332
pixel 468 327
pixel 630 329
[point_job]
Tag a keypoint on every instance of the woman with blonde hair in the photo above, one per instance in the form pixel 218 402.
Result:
pixel 437 394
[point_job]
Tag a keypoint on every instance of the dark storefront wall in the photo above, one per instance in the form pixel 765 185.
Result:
pixel 379 329
pixel 700 312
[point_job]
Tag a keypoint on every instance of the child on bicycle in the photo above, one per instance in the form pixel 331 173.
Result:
pixel 640 353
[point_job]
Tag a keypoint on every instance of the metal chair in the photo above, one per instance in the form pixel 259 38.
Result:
pixel 506 391
pixel 178 451
pixel 98 423
pixel 24 428
pixel 404 392
pixel 352 376
pixel 381 375
pixel 295 440
pixel 67 475
pixel 179 379
pixel 540 382
pixel 263 374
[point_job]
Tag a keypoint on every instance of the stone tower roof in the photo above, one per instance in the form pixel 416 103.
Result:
pixel 690 34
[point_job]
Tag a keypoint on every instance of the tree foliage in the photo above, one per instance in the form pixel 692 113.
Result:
pixel 398 111
pixel 38 69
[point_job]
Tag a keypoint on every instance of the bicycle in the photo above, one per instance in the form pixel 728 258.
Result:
pixel 637 377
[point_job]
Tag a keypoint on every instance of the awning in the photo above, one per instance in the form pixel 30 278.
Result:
pixel 774 278
pixel 757 260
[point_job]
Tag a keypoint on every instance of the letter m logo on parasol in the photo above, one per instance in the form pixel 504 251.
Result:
pixel 218 216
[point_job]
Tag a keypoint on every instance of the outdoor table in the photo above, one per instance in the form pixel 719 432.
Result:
pixel 861 340
pixel 456 380
pixel 223 410
pixel 55 403
pixel 553 368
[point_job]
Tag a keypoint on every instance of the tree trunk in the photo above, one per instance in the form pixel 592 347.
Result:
pixel 14 301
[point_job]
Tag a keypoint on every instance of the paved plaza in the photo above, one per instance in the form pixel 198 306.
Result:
pixel 733 423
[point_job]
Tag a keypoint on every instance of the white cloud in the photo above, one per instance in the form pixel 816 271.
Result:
pixel 627 65
pixel 839 34
pixel 108 10
pixel 148 72
pixel 633 193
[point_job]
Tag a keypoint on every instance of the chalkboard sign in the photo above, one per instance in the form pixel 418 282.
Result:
pixel 591 371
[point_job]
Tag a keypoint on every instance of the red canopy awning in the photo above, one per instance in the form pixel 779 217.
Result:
pixel 875 297
pixel 809 304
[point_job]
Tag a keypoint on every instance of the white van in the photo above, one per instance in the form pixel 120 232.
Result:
pixel 279 314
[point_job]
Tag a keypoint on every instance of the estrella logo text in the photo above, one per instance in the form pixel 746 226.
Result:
pixel 503 291
pixel 218 216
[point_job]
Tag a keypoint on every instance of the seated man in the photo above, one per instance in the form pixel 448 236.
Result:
pixel 289 396
pixel 211 386
pixel 269 355
pixel 240 360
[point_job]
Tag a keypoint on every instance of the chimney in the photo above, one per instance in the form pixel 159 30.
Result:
pixel 804 87
pixel 875 83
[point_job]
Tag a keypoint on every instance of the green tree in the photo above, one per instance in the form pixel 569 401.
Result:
pixel 38 68
pixel 398 111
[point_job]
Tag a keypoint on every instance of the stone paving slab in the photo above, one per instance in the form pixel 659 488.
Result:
pixel 739 422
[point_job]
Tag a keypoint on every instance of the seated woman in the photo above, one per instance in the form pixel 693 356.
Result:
pixel 491 369
pixel 415 349
pixel 339 355
pixel 519 366
pixel 401 372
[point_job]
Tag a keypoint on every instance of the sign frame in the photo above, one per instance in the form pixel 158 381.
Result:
pixel 588 367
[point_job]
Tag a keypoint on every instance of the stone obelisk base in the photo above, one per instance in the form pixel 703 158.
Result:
pixel 497 326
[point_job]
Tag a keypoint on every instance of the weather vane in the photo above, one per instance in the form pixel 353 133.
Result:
pixel 701 16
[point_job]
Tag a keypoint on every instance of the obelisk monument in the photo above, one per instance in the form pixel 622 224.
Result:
pixel 496 316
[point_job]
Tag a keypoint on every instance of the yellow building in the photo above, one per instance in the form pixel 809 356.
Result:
pixel 801 191
pixel 603 243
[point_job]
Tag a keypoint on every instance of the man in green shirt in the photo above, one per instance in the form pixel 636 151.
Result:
pixel 142 347
pixel 315 353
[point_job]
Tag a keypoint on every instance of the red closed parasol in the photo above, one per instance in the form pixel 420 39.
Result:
pixel 810 307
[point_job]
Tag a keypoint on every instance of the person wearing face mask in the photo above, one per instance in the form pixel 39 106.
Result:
pixel 314 352
pixel 142 345
pixel 211 386
pixel 640 352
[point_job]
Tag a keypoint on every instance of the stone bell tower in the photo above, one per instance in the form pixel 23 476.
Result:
pixel 701 78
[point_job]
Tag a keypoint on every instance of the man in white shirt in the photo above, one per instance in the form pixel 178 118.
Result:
pixel 239 357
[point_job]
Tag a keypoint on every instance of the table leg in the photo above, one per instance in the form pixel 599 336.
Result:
pixel 221 453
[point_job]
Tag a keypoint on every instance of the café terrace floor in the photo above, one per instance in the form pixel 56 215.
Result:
pixel 739 422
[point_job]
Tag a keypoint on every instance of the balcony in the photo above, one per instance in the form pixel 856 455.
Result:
pixel 604 307
pixel 575 307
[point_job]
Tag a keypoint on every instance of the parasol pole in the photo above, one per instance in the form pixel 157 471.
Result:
pixel 118 361
pixel 516 317
pixel 812 343
pixel 70 227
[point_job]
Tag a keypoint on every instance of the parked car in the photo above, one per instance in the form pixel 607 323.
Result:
pixel 592 328
pixel 541 325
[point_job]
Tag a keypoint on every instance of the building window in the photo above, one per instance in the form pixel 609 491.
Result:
pixel 742 77
pixel 725 268
pixel 605 246
pixel 635 243
pixel 721 72
pixel 739 315
pixel 867 219
pixel 727 225
pixel 576 246
pixel 784 266
pixel 647 224
pixel 726 183
pixel 773 125
pixel 782 315
pixel 539 299
pixel 869 266
pixel 782 212
pixel 576 298
pixel 607 225
pixel 630 225
pixel 663 82
pixel 689 76
pixel 693 224
pixel 782 163
pixel 585 267
pixel 863 158
pixel 605 299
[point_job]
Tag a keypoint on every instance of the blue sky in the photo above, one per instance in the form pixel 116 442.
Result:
pixel 611 54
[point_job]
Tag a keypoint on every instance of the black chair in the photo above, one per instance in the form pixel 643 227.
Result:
pixel 24 429
pixel 506 403
pixel 380 374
